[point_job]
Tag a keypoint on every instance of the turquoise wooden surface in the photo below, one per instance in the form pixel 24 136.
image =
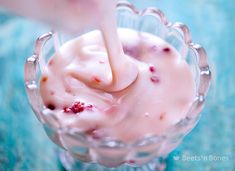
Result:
pixel 210 146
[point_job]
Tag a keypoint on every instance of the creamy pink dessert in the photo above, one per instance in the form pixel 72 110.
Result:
pixel 78 85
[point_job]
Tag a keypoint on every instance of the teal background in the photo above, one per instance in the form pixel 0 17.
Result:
pixel 23 143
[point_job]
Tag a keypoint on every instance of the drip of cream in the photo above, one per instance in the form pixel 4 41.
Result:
pixel 123 71
pixel 77 15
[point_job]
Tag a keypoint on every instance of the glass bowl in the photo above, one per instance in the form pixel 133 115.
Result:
pixel 83 153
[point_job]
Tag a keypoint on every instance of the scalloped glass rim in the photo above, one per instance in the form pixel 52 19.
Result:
pixel 48 117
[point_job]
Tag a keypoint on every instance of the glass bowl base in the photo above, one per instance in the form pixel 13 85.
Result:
pixel 71 164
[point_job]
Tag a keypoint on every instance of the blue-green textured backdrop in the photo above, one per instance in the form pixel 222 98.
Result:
pixel 210 146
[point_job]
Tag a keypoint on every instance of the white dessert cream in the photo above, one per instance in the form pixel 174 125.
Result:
pixel 78 84
pixel 110 84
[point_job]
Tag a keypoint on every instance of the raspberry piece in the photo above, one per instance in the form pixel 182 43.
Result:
pixel 51 106
pixel 89 107
pixel 167 49
pixel 77 107
pixel 162 116
pixel 155 79
pixel 67 110
pixel 152 69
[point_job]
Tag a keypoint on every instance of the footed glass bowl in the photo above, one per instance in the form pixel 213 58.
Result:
pixel 83 153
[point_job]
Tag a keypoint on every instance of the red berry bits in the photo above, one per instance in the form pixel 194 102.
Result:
pixel 154 79
pixel 96 79
pixel 78 107
pixel 51 106
pixel 152 69
pixel 67 110
pixel 51 62
pixel 131 161
pixel 89 107
pixel 44 79
pixel 166 49
pixel 162 116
